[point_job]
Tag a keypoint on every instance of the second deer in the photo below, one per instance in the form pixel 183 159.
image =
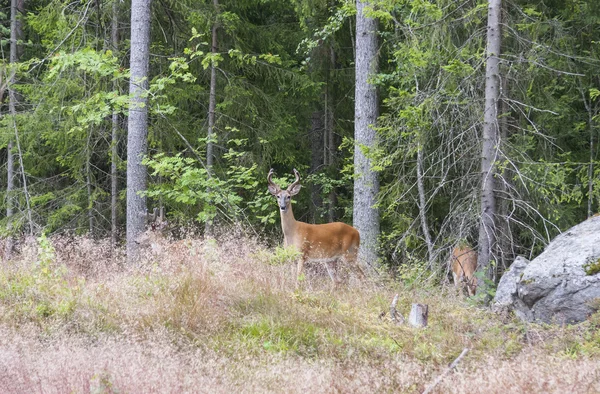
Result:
pixel 464 265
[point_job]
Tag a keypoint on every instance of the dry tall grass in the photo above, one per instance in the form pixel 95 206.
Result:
pixel 223 315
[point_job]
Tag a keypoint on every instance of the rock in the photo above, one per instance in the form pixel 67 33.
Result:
pixel 506 293
pixel 554 287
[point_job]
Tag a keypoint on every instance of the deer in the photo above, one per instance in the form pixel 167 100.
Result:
pixel 464 265
pixel 155 242
pixel 325 243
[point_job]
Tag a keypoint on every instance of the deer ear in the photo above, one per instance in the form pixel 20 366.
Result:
pixel 295 189
pixel 274 190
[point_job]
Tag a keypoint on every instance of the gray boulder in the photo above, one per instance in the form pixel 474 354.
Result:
pixel 554 287
pixel 506 293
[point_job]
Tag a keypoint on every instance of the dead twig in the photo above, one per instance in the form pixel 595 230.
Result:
pixel 450 368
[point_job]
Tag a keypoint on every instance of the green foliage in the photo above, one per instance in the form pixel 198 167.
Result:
pixel 280 337
pixel 553 183
pixel 284 255
pixel 236 197
pixel 414 274
pixel 44 292
pixel 487 291
pixel 280 67
pixel 334 23
pixel 592 267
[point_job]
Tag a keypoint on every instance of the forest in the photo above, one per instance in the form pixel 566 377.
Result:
pixel 282 97
pixel 425 124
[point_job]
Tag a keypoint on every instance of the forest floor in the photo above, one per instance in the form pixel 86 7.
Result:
pixel 224 316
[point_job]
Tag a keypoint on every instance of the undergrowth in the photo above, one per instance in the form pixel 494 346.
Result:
pixel 235 302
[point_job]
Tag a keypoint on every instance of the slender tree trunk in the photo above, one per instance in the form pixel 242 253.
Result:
pixel 114 140
pixel 88 178
pixel 212 100
pixel 317 138
pixel 326 122
pixel 590 110
pixel 88 175
pixel 10 185
pixel 316 159
pixel 366 182
pixel 505 248
pixel 487 229
pixel 10 161
pixel 591 166
pixel 16 7
pixel 137 128
pixel 212 106
pixel 331 146
pixel 423 206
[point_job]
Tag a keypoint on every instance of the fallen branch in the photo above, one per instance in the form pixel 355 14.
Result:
pixel 450 368
pixel 396 316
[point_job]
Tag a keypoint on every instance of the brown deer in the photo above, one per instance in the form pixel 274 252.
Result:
pixel 157 246
pixel 464 265
pixel 327 243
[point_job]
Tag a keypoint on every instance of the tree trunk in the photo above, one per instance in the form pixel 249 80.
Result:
pixel 137 128
pixel 505 248
pixel 487 230
pixel 316 160
pixel 10 185
pixel 88 181
pixel 591 112
pixel 114 140
pixel 212 100
pixel 331 145
pixel 16 7
pixel 423 206
pixel 590 210
pixel 366 110
pixel 10 160
pixel 212 106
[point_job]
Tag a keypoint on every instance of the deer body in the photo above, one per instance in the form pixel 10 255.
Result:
pixel 326 243
pixel 464 265
pixel 170 254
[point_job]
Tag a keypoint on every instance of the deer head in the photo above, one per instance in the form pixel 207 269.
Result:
pixel 284 197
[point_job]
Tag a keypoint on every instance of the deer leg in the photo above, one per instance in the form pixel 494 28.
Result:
pixel 458 282
pixel 299 270
pixel 471 286
pixel 351 260
pixel 332 271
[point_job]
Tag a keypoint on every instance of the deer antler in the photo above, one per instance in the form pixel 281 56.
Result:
pixel 273 188
pixel 297 181
pixel 271 172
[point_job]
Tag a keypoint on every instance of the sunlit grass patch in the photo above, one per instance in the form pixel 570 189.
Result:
pixel 38 293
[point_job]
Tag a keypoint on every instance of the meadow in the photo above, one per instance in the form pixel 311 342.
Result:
pixel 224 315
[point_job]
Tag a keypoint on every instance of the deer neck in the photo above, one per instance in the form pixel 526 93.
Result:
pixel 288 225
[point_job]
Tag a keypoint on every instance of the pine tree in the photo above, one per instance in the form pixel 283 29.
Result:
pixel 366 182
pixel 137 130
pixel 489 152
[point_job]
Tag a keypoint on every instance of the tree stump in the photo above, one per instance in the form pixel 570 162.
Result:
pixel 418 315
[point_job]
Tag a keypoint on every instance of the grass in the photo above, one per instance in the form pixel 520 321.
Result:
pixel 225 316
